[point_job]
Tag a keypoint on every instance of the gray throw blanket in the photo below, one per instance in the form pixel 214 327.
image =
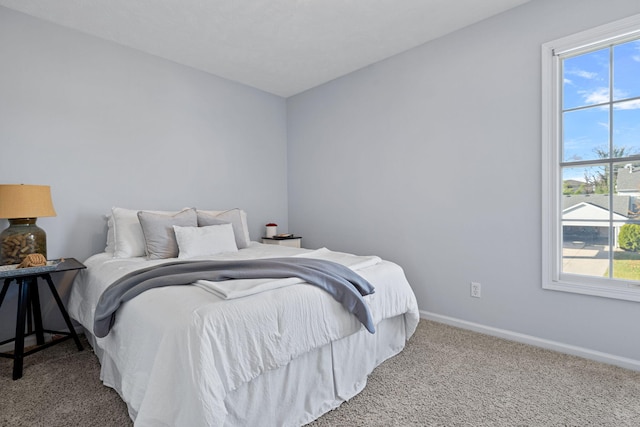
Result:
pixel 345 285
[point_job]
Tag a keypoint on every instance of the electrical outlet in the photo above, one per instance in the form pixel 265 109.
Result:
pixel 476 289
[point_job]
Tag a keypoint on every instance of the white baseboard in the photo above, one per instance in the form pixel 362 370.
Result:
pixel 535 341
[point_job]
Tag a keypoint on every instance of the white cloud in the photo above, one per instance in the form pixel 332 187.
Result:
pixel 597 96
pixel 584 74
pixel 629 105
pixel 587 74
pixel 601 96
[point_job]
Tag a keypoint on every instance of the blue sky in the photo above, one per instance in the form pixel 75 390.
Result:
pixel 586 84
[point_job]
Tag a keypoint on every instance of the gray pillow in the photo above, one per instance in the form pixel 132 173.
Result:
pixel 160 239
pixel 233 216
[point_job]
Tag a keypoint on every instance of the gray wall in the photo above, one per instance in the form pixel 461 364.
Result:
pixel 107 126
pixel 432 159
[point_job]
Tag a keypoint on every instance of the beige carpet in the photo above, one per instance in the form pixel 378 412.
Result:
pixel 445 377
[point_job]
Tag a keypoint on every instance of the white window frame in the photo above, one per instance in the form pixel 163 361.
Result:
pixel 552 278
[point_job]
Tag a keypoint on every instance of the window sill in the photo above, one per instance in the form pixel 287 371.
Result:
pixel 621 291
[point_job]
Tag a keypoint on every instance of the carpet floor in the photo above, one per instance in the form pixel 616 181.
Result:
pixel 446 376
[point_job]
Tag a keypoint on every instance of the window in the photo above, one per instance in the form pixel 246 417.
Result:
pixel 591 161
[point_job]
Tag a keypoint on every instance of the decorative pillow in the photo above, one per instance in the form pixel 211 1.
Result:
pixel 237 218
pixel 204 241
pixel 127 234
pixel 159 237
pixel 124 236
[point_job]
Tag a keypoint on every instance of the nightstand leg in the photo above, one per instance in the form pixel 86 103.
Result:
pixel 65 315
pixel 23 300
pixel 4 290
pixel 34 296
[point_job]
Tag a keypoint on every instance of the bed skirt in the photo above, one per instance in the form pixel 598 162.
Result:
pixel 304 389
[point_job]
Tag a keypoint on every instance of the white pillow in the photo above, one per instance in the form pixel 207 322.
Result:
pixel 204 241
pixel 237 217
pixel 111 244
pixel 128 240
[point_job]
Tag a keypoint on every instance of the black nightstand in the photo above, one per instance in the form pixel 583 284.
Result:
pixel 29 306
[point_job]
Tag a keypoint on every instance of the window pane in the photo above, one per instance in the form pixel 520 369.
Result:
pixel 626 258
pixel 585 250
pixel 585 134
pixel 626 74
pixel 626 122
pixel 626 207
pixel 586 79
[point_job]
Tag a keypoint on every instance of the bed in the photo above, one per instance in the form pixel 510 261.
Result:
pixel 256 351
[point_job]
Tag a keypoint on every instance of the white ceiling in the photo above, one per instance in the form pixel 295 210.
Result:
pixel 280 46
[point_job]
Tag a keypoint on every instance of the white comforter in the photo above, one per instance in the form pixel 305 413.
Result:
pixel 195 344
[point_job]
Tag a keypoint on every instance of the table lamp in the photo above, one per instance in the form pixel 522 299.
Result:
pixel 22 205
